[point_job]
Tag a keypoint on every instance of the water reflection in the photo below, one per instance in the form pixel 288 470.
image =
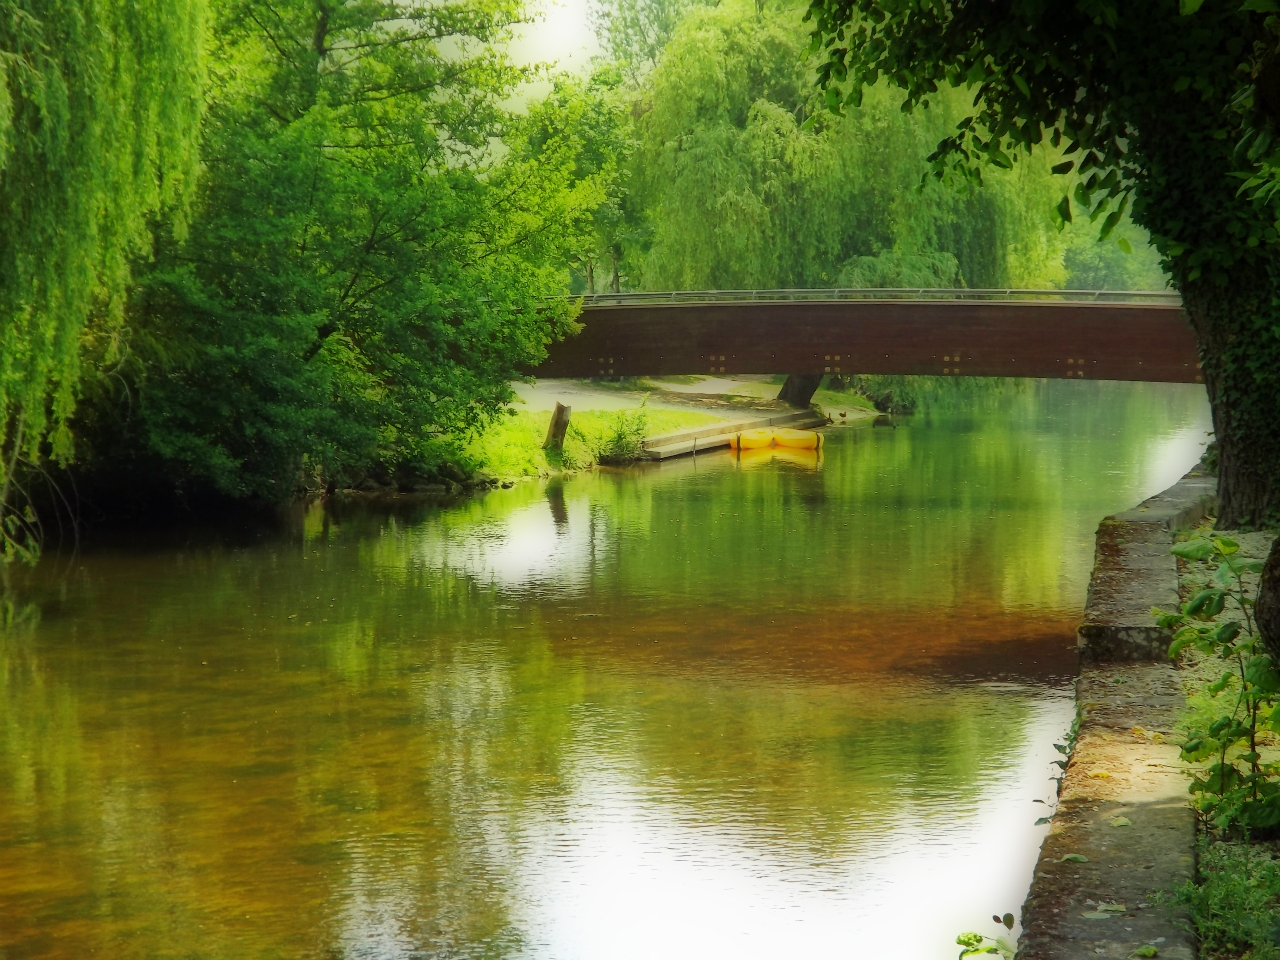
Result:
pixel 753 707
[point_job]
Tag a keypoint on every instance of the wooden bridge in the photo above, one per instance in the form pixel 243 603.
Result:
pixel 983 333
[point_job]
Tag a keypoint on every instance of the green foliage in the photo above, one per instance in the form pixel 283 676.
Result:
pixel 99 106
pixel 976 944
pixel 635 32
pixel 512 445
pixel 1233 901
pixel 898 394
pixel 621 441
pixel 365 272
pixel 892 269
pixel 594 113
pixel 1236 790
pixel 1091 265
pixel 1133 104
pixel 748 183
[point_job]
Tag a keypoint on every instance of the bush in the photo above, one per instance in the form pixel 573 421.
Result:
pixel 1236 790
pixel 1233 902
pixel 621 440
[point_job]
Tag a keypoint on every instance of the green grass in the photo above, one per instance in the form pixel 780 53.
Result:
pixel 1233 901
pixel 832 402
pixel 512 447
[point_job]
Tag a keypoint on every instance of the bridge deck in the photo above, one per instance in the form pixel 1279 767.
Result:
pixel 1144 338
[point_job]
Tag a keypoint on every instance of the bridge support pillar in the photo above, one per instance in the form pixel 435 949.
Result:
pixel 799 389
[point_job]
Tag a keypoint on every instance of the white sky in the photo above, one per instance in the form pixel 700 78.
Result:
pixel 562 35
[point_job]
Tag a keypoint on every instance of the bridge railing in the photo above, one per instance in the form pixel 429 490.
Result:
pixel 1154 297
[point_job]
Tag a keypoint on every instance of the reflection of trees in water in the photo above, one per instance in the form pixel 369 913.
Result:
pixel 813 772
pixel 297 745
pixel 392 777
pixel 897 394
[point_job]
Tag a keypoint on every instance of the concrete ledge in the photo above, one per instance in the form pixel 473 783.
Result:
pixel 1122 767
pixel 1133 571
pixel 1188 501
pixel 1123 804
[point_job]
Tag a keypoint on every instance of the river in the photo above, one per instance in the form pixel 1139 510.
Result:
pixel 780 706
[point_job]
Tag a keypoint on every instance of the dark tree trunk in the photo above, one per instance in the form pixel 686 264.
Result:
pixel 1238 328
pixel 1267 611
pixel 799 389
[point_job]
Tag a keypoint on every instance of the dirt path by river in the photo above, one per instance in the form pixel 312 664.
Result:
pixel 728 397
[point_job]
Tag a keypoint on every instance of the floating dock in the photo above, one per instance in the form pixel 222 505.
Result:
pixel 715 435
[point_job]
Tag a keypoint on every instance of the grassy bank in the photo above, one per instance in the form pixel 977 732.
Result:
pixel 1235 900
pixel 512 447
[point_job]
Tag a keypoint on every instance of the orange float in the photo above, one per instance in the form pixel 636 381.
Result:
pixel 751 440
pixel 797 439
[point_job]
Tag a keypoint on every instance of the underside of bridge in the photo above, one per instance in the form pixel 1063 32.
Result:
pixel 1016 338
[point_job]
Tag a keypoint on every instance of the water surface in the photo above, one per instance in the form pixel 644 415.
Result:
pixel 777 706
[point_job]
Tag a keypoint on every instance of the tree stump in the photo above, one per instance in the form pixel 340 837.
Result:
pixel 556 431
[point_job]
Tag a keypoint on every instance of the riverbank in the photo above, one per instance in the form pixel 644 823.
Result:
pixel 727 396
pixel 608 418
pixel 1123 834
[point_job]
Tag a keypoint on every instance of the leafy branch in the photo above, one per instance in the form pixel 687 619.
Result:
pixel 1237 789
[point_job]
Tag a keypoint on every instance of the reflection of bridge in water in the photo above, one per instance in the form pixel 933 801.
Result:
pixel 984 333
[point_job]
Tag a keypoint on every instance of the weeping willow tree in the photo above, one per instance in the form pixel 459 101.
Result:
pixel 99 106
pixel 748 182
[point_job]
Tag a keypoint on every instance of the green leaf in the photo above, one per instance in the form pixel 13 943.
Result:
pixel 1262 673
pixel 1197 549
pixel 1073 858
pixel 1224 576
pixel 1226 632
pixel 1064 167
pixel 1179 645
pixel 1124 245
pixel 1214 605
pixel 1197 604
pixel 1109 224
pixel 1008 921
pixel 1122 822
pixel 1064 209
pixel 1188 7
pixel 1220 684
pixel 1226 546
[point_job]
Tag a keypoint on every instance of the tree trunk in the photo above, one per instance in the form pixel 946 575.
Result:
pixel 799 388
pixel 1238 329
pixel 1267 610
